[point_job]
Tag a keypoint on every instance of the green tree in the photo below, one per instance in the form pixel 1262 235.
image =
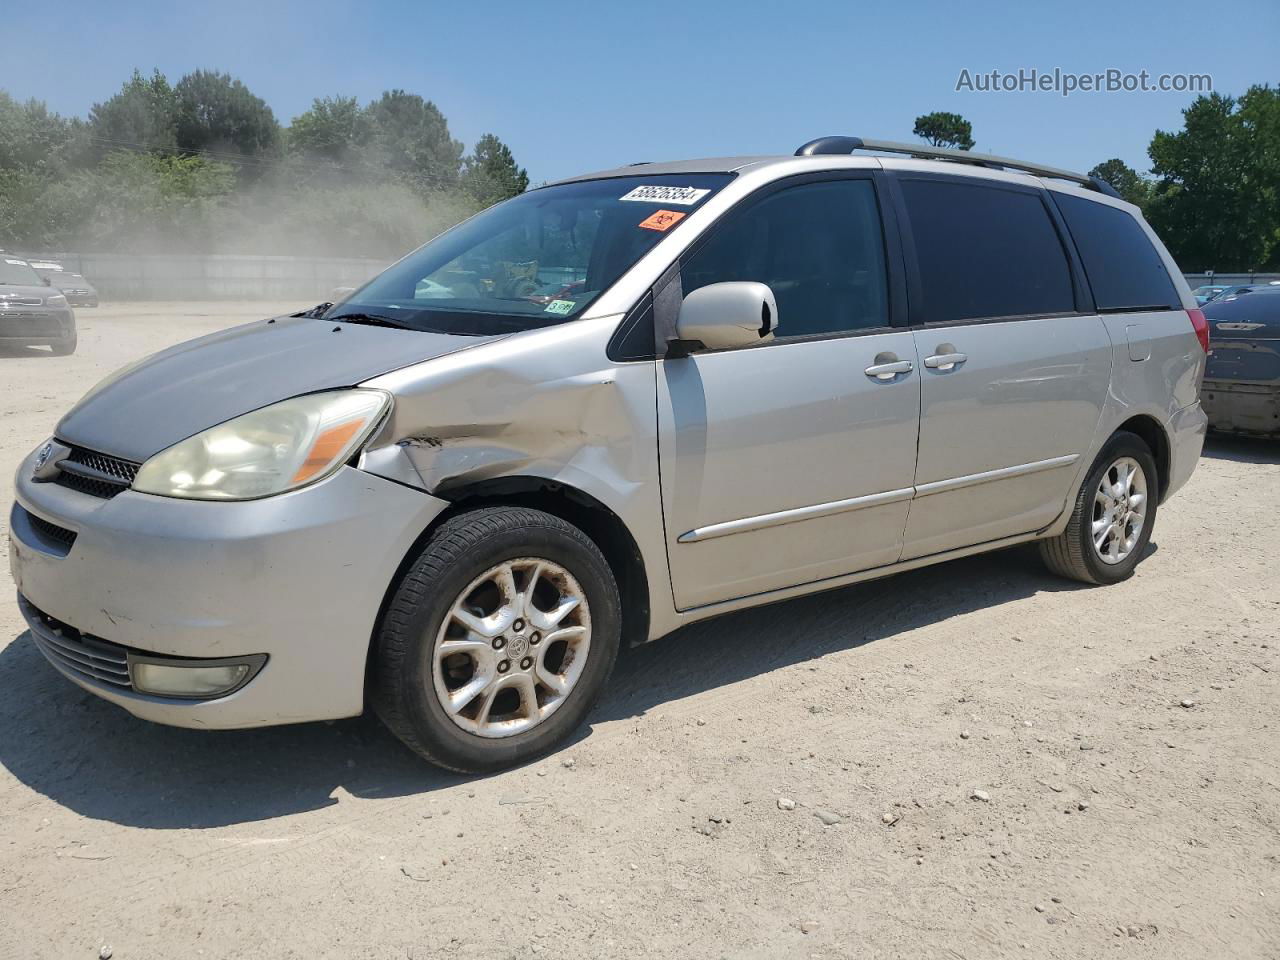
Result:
pixel 411 137
pixel 1216 203
pixel 40 153
pixel 333 129
pixel 141 116
pixel 945 130
pixel 490 173
pixel 147 204
pixel 219 113
pixel 1128 182
pixel 32 138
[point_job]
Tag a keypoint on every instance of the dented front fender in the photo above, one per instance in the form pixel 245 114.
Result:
pixel 546 404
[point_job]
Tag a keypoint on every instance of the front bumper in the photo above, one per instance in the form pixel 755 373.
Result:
pixel 299 577
pixel 1250 408
pixel 35 325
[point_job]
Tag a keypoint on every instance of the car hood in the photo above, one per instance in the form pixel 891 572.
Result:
pixel 167 397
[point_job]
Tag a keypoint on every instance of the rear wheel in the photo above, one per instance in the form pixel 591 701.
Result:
pixel 498 640
pixel 1114 513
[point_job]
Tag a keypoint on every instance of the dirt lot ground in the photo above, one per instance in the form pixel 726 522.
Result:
pixel 1124 739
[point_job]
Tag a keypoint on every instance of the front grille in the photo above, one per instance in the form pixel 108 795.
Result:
pixel 96 474
pixel 124 470
pixel 67 647
pixel 52 531
pixel 21 301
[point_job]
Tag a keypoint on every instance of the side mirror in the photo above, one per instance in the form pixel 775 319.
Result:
pixel 724 315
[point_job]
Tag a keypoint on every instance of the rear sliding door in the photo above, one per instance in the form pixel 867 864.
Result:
pixel 1015 364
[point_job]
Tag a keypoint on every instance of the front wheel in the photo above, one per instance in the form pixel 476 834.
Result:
pixel 64 347
pixel 1114 512
pixel 498 639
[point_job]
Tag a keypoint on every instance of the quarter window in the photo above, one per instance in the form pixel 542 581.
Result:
pixel 1123 267
pixel 985 251
pixel 819 247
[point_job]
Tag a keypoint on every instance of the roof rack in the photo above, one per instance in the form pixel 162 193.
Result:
pixel 841 145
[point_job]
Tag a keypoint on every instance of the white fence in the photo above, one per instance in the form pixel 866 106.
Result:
pixel 216 276
pixel 1228 279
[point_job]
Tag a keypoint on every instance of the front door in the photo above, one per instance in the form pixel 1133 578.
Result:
pixel 791 461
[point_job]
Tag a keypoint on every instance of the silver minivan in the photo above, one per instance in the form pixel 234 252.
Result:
pixel 601 410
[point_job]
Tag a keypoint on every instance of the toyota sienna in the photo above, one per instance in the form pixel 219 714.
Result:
pixel 601 410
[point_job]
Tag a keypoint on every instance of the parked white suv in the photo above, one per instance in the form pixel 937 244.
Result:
pixel 755 378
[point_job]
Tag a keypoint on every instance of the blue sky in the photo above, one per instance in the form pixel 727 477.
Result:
pixel 581 86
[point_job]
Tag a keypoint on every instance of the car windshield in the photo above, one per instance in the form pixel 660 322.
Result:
pixel 19 272
pixel 536 260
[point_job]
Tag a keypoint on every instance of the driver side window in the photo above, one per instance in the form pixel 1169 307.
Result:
pixel 820 248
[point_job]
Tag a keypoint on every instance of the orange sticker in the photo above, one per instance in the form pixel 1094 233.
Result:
pixel 662 220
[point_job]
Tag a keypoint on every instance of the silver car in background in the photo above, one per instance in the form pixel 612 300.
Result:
pixel 454 498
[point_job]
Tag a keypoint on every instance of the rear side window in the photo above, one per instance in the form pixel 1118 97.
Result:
pixel 1124 269
pixel 818 246
pixel 985 251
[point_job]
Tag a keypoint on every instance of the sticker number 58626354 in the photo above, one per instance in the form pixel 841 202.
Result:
pixel 684 196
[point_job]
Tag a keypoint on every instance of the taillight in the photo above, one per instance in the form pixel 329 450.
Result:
pixel 1201 327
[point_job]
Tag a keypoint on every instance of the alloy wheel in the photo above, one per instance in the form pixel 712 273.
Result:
pixel 1119 510
pixel 512 647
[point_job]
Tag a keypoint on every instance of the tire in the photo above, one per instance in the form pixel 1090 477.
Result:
pixel 409 685
pixel 1072 553
pixel 64 347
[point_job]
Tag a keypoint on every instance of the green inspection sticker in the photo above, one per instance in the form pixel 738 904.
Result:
pixel 560 306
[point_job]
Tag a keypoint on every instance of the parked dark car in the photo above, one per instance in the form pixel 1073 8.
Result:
pixel 1241 391
pixel 78 291
pixel 32 310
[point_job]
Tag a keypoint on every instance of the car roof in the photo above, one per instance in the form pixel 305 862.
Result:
pixel 845 161
pixel 698 165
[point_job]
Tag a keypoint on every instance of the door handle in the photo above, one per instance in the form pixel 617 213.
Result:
pixel 945 361
pixel 887 371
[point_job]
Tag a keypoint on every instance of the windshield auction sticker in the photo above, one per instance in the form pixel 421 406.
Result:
pixel 685 196
pixel 662 221
pixel 560 306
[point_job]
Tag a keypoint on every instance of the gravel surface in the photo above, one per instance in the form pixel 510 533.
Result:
pixel 973 760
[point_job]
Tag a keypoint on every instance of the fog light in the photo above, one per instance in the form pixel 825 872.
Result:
pixel 193 679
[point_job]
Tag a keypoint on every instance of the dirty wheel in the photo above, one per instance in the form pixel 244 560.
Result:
pixel 64 347
pixel 498 639
pixel 1111 523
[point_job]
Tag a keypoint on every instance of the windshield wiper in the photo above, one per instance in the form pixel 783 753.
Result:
pixel 373 320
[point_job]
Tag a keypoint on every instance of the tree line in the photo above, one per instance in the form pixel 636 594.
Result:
pixel 1213 191
pixel 204 165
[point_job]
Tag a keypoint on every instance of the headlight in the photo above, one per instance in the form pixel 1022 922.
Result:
pixel 278 448
pixel 55 300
